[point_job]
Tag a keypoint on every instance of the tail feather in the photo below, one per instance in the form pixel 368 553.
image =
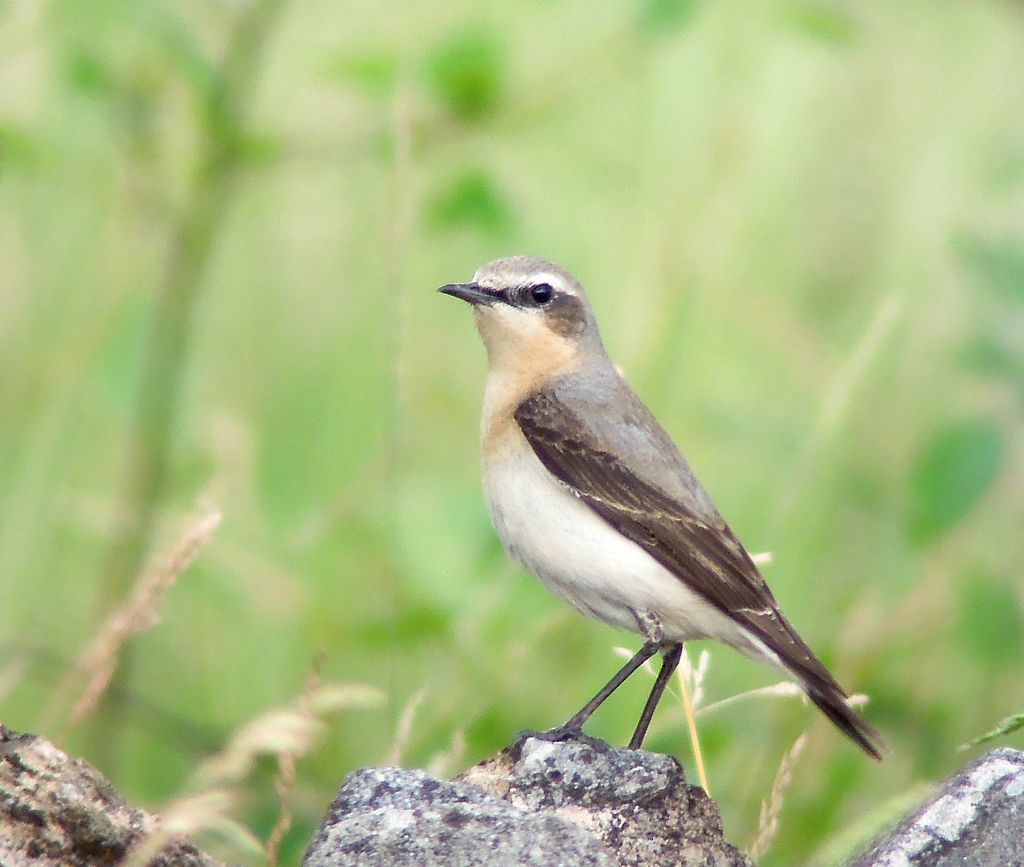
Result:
pixel 833 702
pixel 794 657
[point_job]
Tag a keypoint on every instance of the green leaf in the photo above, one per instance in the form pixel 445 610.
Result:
pixel 467 75
pixel 87 73
pixel 997 263
pixel 950 475
pixel 1008 725
pixel 375 72
pixel 411 626
pixel 991 625
pixel 988 356
pixel 472 199
pixel 18 147
pixel 256 148
pixel 665 15
pixel 821 22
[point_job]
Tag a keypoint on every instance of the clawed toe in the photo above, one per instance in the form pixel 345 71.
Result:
pixel 558 734
pixel 565 733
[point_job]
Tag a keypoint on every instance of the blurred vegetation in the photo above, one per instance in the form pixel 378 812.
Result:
pixel 221 225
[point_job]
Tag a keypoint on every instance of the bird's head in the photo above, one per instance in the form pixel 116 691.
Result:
pixel 529 310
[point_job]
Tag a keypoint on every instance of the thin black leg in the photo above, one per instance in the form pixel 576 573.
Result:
pixel 668 665
pixel 587 711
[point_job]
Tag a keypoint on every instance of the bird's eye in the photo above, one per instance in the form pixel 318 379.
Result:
pixel 542 293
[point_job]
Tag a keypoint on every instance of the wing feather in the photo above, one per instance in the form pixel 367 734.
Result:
pixel 663 509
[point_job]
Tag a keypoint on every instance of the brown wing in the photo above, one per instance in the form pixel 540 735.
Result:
pixel 663 508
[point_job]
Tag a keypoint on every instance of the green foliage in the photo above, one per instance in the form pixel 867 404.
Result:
pixel 953 471
pixel 1007 726
pixel 827 23
pixel 991 622
pixel 472 200
pixel 992 358
pixel 87 73
pixel 375 71
pixel 18 148
pixel 997 263
pixel 467 74
pixel 667 15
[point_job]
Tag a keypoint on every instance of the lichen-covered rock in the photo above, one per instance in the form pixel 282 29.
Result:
pixel 976 818
pixel 55 810
pixel 540 802
pixel 394 816
pixel 637 803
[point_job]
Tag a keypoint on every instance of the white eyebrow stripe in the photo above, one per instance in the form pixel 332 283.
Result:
pixel 551 279
pixel 545 277
pixel 523 279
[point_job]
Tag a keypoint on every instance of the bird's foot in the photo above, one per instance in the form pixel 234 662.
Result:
pixel 566 733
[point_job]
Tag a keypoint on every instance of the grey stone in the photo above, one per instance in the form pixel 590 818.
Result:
pixel 56 811
pixel 540 802
pixel 976 818
pixel 393 816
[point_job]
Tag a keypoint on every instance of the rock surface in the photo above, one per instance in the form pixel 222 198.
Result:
pixel 976 818
pixel 55 810
pixel 539 802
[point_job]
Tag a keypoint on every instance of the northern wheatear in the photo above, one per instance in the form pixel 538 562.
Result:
pixel 588 492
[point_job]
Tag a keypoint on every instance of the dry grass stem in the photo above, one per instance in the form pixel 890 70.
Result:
pixel 11 675
pixel 444 762
pixel 287 767
pixel 404 729
pixel 284 782
pixel 782 689
pixel 292 729
pixel 768 821
pixel 695 676
pixel 331 698
pixel 691 725
pixel 287 733
pixel 190 814
pixel 274 732
pixel 140 612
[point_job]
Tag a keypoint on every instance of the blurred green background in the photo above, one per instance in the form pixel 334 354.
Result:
pixel 221 228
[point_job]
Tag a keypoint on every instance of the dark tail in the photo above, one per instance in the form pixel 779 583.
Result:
pixel 832 702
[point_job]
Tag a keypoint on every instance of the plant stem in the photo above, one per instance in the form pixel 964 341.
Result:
pixel 154 425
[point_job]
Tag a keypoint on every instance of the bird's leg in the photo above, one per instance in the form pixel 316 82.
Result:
pixel 669 663
pixel 574 726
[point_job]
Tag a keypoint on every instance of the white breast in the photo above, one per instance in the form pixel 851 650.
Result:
pixel 555 536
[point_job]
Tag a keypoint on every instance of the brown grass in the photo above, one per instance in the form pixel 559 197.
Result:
pixel 287 767
pixel 217 787
pixel 768 820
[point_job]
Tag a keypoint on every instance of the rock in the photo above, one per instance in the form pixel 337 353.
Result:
pixel 393 816
pixel 55 810
pixel 540 802
pixel 976 818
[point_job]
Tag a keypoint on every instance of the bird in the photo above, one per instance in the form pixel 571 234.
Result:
pixel 589 493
